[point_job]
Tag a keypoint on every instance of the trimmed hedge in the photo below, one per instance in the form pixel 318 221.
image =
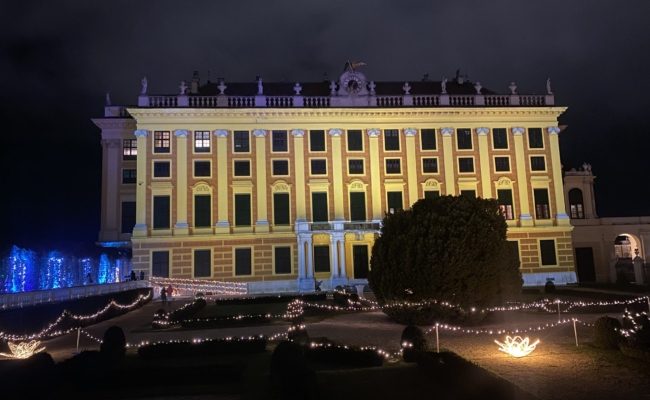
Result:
pixel 332 354
pixel 209 347
pixel 162 319
pixel 413 343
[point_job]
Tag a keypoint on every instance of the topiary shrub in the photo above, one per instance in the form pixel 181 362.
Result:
pixel 298 334
pixel 452 248
pixel 291 377
pixel 638 326
pixel 607 333
pixel 413 343
pixel 549 287
pixel 113 346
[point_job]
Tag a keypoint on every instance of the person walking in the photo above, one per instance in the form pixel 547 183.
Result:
pixel 163 296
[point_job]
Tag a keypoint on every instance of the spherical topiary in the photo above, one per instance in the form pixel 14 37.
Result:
pixel 413 343
pixel 549 287
pixel 607 333
pixel 113 346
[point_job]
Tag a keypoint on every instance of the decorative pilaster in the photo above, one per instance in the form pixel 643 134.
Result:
pixel 299 159
pixel 411 167
pixel 110 192
pixel 449 160
pixel 375 185
pixel 223 225
pixel 262 223
pixel 558 187
pixel 337 243
pixel 337 174
pixel 140 228
pixel 181 227
pixel 484 160
pixel 525 218
pixel 305 282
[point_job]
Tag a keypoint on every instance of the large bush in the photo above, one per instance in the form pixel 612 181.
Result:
pixel 452 248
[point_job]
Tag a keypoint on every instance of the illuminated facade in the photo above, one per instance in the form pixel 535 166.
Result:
pixel 283 184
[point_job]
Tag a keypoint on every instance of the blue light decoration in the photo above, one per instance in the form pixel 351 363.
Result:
pixel 104 275
pixel 20 271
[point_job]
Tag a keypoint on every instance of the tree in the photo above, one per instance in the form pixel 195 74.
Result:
pixel 452 248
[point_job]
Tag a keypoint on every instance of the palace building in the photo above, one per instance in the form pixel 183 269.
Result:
pixel 282 184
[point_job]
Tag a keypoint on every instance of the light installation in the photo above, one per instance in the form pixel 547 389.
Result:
pixel 517 346
pixel 23 350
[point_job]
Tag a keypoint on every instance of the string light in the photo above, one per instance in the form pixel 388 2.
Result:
pixel 517 346
pixel 23 350
pixel 202 285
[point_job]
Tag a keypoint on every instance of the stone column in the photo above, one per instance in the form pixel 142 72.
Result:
pixel 181 227
pixel 222 225
pixel 140 228
pixel 449 160
pixel 639 279
pixel 305 281
pixel 309 265
pixel 484 159
pixel 525 219
pixel 334 256
pixel 299 160
pixel 111 157
pixel 411 166
pixel 339 275
pixel 337 174
pixel 561 216
pixel 262 223
pixel 375 183
pixel 343 273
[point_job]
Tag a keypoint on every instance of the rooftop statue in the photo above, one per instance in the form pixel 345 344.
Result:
pixel 513 88
pixel 548 86
pixel 443 86
pixel 183 88
pixel 144 84
pixel 260 87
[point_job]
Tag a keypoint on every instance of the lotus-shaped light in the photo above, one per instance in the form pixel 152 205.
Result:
pixel 23 350
pixel 517 346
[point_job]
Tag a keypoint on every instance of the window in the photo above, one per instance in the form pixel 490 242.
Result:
pixel 537 163
pixel 318 167
pixel 465 164
pixel 500 138
pixel 535 139
pixel 201 141
pixel 161 212
pixel 504 198
pixel 542 210
pixel 547 250
pixel 394 201
pixel 319 207
pixel 391 140
pixel 281 208
pixel 464 139
pixel 393 166
pixel 128 176
pixel 431 194
pixel 280 167
pixel 428 138
pixel 161 169
pixel 430 165
pixel 201 168
pixel 317 140
pixel 243 261
pixel 242 168
pixel 242 210
pixel 468 193
pixel 322 258
pixel 576 206
pixel 502 164
pixel 355 167
pixel 513 246
pixel 202 208
pixel 161 143
pixel 357 206
pixel 241 142
pixel 279 141
pixel 282 260
pixel 355 140
pixel 160 264
pixel 129 149
pixel 202 263
pixel 128 216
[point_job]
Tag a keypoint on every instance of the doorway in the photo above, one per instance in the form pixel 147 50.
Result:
pixel 360 261
pixel 585 264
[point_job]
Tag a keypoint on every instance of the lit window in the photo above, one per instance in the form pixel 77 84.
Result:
pixel 542 209
pixel 201 141
pixel 161 142
pixel 129 149
pixel 504 198
pixel 576 204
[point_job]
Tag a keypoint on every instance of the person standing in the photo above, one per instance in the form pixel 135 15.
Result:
pixel 163 296
pixel 133 277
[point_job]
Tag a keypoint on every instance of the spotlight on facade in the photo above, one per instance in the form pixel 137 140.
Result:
pixel 517 346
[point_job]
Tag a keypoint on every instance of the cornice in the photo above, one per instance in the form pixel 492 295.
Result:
pixel 114 123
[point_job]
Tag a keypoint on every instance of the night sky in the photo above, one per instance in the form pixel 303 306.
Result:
pixel 58 59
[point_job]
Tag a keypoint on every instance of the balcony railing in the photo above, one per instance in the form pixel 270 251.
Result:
pixel 338 226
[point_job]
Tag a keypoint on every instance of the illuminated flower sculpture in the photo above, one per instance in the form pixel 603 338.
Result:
pixel 516 346
pixel 23 350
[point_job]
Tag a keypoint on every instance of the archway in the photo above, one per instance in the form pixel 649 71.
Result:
pixel 626 247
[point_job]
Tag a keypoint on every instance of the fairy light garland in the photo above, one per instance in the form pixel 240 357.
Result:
pixel 202 285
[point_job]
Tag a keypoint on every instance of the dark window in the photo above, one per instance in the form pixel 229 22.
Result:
pixel 468 193
pixel 542 210
pixel 242 210
pixel 161 212
pixel 280 167
pixel 465 164
pixel 241 142
pixel 393 166
pixel 201 168
pixel 319 207
pixel 535 139
pixel 355 167
pixel 282 260
pixel 129 149
pixel 202 208
pixel 322 258
pixel 357 206
pixel 202 263
pixel 160 264
pixel 243 261
pixel 391 139
pixel 281 208
pixel 201 141
pixel 431 194
pixel 128 216
pixel 537 163
pixel 161 142
pixel 242 168
pixel 430 165
pixel 464 139
pixel 547 249
pixel 504 198
pixel 394 201
pixel 428 137
pixel 355 140
pixel 161 169
pixel 502 164
pixel 128 176
pixel 317 140
pixel 576 204
pixel 279 141
pixel 318 167
pixel 500 138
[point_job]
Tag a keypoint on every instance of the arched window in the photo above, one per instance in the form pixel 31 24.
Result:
pixel 576 204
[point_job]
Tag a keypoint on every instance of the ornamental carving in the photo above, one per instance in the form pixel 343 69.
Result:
pixel 504 181
pixel 335 132
pixel 259 133
pixel 410 132
pixel 357 186
pixel 447 131
pixel 181 133
pixel 518 131
pixel 298 132
pixel 202 188
pixel 553 130
pixel 374 132
pixel 141 133
pixel 431 183
pixel 482 131
pixel 221 133
pixel 280 187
